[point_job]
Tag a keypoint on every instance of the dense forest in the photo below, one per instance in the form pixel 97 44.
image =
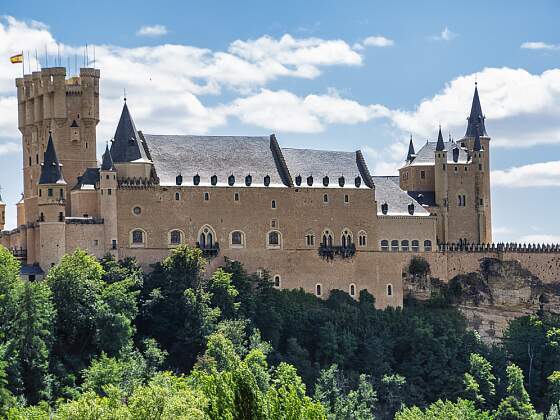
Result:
pixel 101 340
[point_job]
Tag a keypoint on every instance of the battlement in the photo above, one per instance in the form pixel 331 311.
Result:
pixel 500 247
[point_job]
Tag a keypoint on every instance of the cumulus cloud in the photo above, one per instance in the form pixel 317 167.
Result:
pixel 543 174
pixel 373 41
pixel 152 30
pixel 445 35
pixel 539 239
pixel 9 148
pixel 539 46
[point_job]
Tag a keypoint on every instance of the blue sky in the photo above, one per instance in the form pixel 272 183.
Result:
pixel 320 74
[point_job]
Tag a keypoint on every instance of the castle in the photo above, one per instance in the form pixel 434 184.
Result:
pixel 313 219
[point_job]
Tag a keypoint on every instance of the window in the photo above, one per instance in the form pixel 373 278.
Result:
pixel 443 166
pixel 480 166
pixel 346 198
pixel 415 245
pixel 404 245
pixel 206 196
pixel 327 238
pixel 318 290
pixel 206 238
pixel 96 242
pixel 273 204
pixel 60 216
pixel 466 169
pixel 352 290
pixel 175 237
pixel 384 245
pixel 109 191
pixel 325 198
pixel 237 239
pixel 362 238
pixel 456 169
pixel 236 196
pixel 137 237
pixel 481 201
pixel 114 244
pixel 61 193
pixel 136 210
pixel 427 245
pixel 40 192
pixel 42 217
pixel 461 200
pixel 274 239
pixel 346 238
pixel 50 192
pixel 177 196
pixel 394 245
pixel 389 290
pixel 310 239
pixel 277 281
pixel 423 174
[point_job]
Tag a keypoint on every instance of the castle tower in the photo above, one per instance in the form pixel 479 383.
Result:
pixel 20 207
pixel 69 108
pixel 441 189
pixel 108 202
pixel 477 142
pixel 51 203
pixel 129 150
pixel 2 214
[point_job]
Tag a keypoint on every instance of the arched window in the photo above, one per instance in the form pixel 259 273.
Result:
pixel 352 289
pixel 404 245
pixel 310 238
pixel 427 245
pixel 137 238
pixel 394 245
pixel 362 238
pixel 384 245
pixel 237 239
pixel 274 239
pixel 346 238
pixel 177 196
pixel 206 237
pixel 175 237
pixel 206 196
pixel 327 238
pixel 277 281
pixel 389 290
pixel 461 200
pixel 318 289
pixel 325 198
pixel 273 204
pixel 415 245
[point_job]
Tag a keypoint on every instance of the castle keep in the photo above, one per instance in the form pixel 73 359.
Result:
pixel 313 219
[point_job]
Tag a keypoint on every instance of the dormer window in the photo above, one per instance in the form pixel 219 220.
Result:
pixel 298 180
pixel 325 181
pixel 310 180
pixel 384 208
pixel 213 180
pixel 248 180
pixel 411 209
pixel 178 180
pixel 266 180
pixel 231 180
pixel 341 181
pixel 358 182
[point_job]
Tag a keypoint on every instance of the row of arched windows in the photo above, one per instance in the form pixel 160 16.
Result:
pixel 206 238
pixel 351 288
pixel 405 245
pixel 346 238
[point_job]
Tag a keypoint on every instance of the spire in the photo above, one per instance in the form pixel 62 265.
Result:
pixel 476 118
pixel 477 146
pixel 51 172
pixel 411 153
pixel 107 162
pixel 127 146
pixel 440 146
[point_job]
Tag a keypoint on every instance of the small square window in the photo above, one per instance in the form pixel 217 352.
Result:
pixel 236 196
pixel 325 198
pixel 346 198
pixel 95 242
pixel 109 191
pixel 423 174
pixel 206 196
pixel 273 223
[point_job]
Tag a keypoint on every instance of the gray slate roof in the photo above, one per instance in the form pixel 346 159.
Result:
pixel 476 118
pixel 387 190
pixel 88 180
pixel 127 145
pixel 51 172
pixel 320 163
pixel 425 156
pixel 212 155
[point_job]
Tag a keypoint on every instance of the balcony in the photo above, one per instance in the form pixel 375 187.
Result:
pixel 329 252
pixel 19 253
pixel 209 251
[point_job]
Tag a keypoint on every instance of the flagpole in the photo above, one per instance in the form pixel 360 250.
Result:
pixel 22 64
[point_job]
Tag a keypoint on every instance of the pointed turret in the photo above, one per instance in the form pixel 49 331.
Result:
pixel 440 146
pixel 411 153
pixel 51 172
pixel 476 118
pixel 107 162
pixel 127 146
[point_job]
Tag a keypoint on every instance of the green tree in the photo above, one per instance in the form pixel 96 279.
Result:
pixel 392 395
pixel 223 293
pixel 461 410
pixel 480 382
pixel 517 405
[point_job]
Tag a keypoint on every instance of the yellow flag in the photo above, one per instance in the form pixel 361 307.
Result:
pixel 18 58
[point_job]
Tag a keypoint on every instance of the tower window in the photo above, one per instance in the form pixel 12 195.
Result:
pixel 443 166
pixel 273 204
pixel 394 245
pixel 480 166
pixel 384 245
pixel 318 291
pixel 206 196
pixel 40 192
pixel 346 198
pixel 237 238
pixel 137 210
pixel 137 237
pixel 274 239
pixel 325 198
pixel 415 245
pixel 177 196
pixel 175 237
pixel 352 290
pixel 29 160
pixel 109 191
pixel 423 174
pixel 461 200
pixel 61 193
pixel 404 245
pixel 277 281
pixel 481 201
pixel 456 169
pixel 427 245
pixel 389 290
pixel 310 239
pixel 362 238
pixel 37 158
pixel 60 216
pixel 236 196
pixel 50 192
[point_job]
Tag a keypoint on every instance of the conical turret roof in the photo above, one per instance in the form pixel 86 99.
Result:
pixel 51 169
pixel 107 161
pixel 411 153
pixel 127 145
pixel 476 118
pixel 440 146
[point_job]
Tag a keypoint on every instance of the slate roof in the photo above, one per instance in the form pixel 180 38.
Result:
pixel 387 190
pixel 51 172
pixel 476 118
pixel 31 270
pixel 321 163
pixel 127 144
pixel 425 156
pixel 212 155
pixel 88 180
pixel 107 161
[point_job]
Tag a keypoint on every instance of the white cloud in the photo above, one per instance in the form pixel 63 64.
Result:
pixel 445 35
pixel 152 30
pixel 378 41
pixel 9 148
pixel 539 46
pixel 539 239
pixel 544 174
